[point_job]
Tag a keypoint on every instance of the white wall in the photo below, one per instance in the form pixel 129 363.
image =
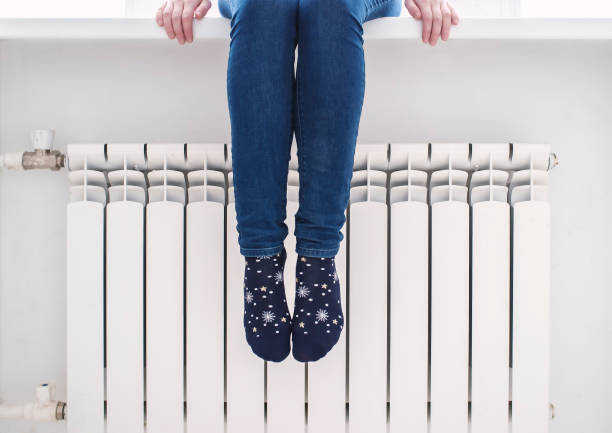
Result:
pixel 480 91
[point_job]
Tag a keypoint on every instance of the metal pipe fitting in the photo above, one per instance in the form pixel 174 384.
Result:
pixel 43 159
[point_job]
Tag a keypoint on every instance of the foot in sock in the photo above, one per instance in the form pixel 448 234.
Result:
pixel 267 322
pixel 317 317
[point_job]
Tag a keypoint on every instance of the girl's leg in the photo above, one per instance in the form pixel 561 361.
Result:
pixel 329 93
pixel 260 82
pixel 329 96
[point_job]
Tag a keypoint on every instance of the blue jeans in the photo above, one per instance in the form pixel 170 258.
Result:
pixel 321 103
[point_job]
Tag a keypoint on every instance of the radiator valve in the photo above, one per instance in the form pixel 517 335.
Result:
pixel 42 156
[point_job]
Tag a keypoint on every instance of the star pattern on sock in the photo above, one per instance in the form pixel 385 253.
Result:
pixel 318 318
pixel 267 321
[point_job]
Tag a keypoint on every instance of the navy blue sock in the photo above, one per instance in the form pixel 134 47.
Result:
pixel 317 317
pixel 267 322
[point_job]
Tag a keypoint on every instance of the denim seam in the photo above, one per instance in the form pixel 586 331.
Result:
pixel 302 164
pixel 363 81
pixel 300 116
pixel 315 252
pixel 259 252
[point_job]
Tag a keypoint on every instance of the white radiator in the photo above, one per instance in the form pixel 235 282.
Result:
pixel 445 272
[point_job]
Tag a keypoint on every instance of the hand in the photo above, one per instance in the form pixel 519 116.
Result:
pixel 437 17
pixel 176 16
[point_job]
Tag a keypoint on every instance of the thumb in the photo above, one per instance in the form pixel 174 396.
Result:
pixel 202 9
pixel 413 9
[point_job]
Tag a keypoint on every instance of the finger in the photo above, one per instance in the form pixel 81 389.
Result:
pixel 177 23
pixel 413 9
pixel 436 28
pixel 168 20
pixel 159 19
pixel 188 24
pixel 454 15
pixel 446 22
pixel 426 15
pixel 202 9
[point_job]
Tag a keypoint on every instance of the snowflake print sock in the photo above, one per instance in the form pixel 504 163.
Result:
pixel 317 317
pixel 267 322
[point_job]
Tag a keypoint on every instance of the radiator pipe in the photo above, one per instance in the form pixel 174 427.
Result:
pixel 43 409
pixel 41 157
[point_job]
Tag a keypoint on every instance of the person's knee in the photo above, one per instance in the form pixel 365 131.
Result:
pixel 266 31
pixel 332 14
pixel 266 13
pixel 346 8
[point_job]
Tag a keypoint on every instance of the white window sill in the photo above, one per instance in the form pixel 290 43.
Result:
pixel 386 28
